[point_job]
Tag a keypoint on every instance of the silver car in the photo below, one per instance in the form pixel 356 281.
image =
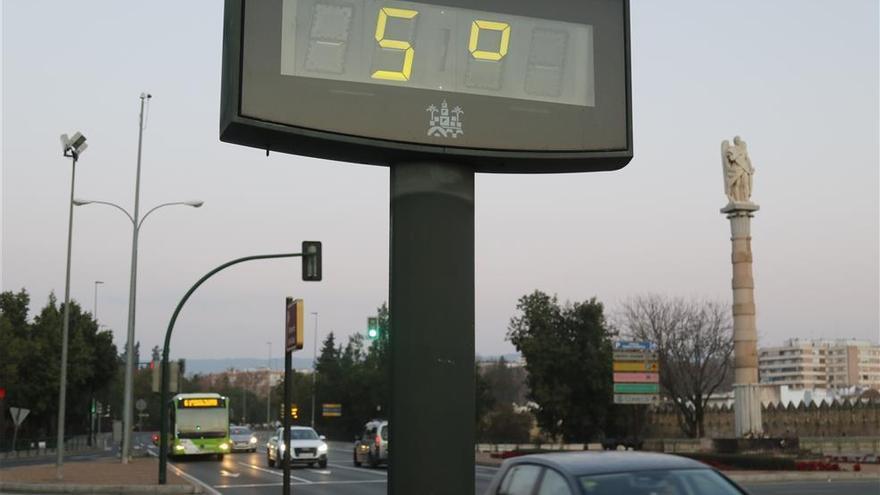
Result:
pixel 306 447
pixel 371 447
pixel 242 439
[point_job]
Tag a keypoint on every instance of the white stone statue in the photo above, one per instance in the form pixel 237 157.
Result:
pixel 738 171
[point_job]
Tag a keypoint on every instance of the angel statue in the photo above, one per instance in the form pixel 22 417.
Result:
pixel 738 171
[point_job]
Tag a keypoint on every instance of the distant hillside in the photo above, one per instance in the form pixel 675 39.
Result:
pixel 223 364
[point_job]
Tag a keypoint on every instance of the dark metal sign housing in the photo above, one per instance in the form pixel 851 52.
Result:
pixel 498 85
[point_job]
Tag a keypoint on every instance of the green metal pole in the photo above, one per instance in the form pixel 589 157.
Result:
pixel 163 431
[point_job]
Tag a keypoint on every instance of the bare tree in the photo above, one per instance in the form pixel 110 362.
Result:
pixel 695 343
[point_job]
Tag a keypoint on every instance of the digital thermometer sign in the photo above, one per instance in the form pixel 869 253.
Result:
pixel 418 45
pixel 502 85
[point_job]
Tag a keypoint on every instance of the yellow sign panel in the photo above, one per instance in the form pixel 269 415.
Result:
pixel 635 366
pixel 201 403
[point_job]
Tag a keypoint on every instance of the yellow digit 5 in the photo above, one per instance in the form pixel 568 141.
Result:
pixel 476 27
pixel 405 46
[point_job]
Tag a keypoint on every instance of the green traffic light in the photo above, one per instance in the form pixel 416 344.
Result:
pixel 372 333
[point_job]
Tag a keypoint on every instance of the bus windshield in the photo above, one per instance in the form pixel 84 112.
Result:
pixel 202 423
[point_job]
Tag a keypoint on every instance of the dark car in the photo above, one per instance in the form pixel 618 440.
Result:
pixel 609 473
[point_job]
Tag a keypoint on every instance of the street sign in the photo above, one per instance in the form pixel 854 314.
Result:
pixel 636 374
pixel 294 324
pixel 635 356
pixel 634 346
pixel 636 388
pixel 140 405
pixel 636 366
pixel 637 378
pixel 18 415
pixel 498 85
pixel 331 410
pixel 636 399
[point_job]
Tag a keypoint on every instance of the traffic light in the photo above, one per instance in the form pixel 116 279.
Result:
pixel 311 261
pixel 372 327
pixel 294 411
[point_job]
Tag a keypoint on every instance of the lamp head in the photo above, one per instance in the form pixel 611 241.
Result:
pixel 81 202
pixel 196 203
pixel 73 146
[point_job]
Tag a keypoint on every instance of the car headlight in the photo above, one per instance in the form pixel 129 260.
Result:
pixel 253 439
pixel 322 447
pixel 224 446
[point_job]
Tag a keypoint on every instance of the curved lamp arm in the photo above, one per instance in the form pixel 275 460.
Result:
pixel 83 202
pixel 194 204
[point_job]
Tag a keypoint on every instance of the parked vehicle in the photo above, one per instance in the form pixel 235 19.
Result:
pixel 371 446
pixel 609 473
pixel 306 447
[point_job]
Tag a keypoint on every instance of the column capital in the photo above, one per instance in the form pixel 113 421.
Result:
pixel 740 208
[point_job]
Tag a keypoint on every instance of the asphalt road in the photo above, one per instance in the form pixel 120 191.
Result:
pixel 247 473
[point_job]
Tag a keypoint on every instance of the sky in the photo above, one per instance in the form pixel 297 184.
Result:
pixel 797 79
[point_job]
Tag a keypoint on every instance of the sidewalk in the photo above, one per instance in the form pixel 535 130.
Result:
pixel 103 475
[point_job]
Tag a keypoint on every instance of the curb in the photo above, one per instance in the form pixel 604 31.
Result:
pixel 9 487
pixel 745 477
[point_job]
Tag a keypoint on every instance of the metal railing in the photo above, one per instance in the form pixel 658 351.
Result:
pixel 44 446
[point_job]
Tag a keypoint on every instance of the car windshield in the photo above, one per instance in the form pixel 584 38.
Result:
pixel 300 434
pixel 675 482
pixel 238 430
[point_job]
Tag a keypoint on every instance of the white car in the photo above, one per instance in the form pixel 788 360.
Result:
pixel 306 447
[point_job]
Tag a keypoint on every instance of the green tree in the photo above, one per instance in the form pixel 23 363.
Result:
pixel 31 358
pixel 568 355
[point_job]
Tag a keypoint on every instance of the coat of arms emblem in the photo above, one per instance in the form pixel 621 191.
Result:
pixel 445 122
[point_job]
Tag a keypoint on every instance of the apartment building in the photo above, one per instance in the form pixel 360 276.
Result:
pixel 810 364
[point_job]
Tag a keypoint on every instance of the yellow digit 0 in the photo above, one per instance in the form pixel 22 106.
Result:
pixel 479 25
pixel 408 51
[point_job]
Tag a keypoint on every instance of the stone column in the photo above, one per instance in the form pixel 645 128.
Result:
pixel 747 398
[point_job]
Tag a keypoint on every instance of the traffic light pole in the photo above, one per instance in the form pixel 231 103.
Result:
pixel 285 413
pixel 432 329
pixel 163 431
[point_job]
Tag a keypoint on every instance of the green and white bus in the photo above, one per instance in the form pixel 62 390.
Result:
pixel 199 425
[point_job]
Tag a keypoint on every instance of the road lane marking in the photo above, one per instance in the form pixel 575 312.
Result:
pixel 195 480
pixel 276 473
pixel 321 471
pixel 380 473
pixel 262 485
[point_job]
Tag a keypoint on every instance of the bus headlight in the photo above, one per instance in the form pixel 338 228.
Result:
pixel 322 448
pixel 178 447
pixel 282 447
pixel 224 446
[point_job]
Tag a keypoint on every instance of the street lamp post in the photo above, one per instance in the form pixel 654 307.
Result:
pixel 314 369
pixel 95 307
pixel 71 148
pixel 129 345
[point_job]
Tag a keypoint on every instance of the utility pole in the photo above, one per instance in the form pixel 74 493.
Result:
pixel 314 369
pixel 269 386
pixel 132 295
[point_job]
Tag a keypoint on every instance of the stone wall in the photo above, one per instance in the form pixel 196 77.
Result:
pixel 860 418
